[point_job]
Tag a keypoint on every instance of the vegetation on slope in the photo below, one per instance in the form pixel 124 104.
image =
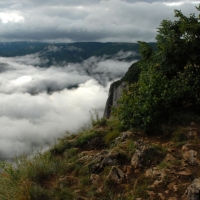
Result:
pixel 169 81
pixel 103 163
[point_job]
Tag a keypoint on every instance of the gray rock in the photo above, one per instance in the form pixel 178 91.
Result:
pixel 102 160
pixel 193 191
pixel 123 136
pixel 190 157
pixel 114 94
pixel 116 175
pixel 137 158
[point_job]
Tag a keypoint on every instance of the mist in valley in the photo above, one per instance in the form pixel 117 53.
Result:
pixel 38 105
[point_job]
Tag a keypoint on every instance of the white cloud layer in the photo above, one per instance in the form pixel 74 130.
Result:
pixel 90 20
pixel 31 118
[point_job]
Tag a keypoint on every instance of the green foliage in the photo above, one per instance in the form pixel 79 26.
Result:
pixel 140 190
pixel 163 165
pixel 113 126
pixel 57 173
pixel 131 147
pixel 38 193
pixel 85 181
pixel 27 177
pixel 154 155
pixel 179 136
pixel 95 118
pixel 145 50
pixel 84 138
pixel 132 75
pixel 169 81
pixel 179 40
pixel 61 146
pixel 109 137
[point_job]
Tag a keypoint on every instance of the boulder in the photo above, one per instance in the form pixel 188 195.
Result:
pixel 161 196
pixel 155 173
pixel 123 136
pixel 192 134
pixel 127 170
pixel 137 158
pixel 103 159
pixel 95 166
pixel 193 191
pixel 145 155
pixel 116 175
pixel 95 179
pixel 115 92
pixel 190 157
pixel 169 158
pixel 152 195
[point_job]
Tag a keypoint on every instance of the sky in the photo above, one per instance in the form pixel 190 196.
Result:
pixel 30 117
pixel 88 20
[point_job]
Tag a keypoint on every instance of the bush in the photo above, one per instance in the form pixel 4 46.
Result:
pixel 38 193
pixel 169 81
pixel 110 136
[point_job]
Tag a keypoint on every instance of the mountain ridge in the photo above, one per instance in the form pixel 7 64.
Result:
pixel 69 52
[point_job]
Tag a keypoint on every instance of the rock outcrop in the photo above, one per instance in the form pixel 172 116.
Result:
pixel 193 191
pixel 117 87
pixel 114 94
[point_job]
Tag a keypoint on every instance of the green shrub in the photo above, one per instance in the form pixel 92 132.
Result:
pixel 110 136
pixel 154 155
pixel 71 153
pixel 36 192
pixel 85 181
pixel 92 138
pixel 64 194
pixel 141 188
pixel 179 136
pixel 163 165
pixel 131 147
pixel 39 168
pixel 169 81
pixel 60 147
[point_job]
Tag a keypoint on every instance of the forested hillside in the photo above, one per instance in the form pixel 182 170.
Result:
pixel 71 52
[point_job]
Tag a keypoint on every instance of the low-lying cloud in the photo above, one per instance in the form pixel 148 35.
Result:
pixel 38 105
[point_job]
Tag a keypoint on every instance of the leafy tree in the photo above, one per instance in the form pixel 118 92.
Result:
pixel 169 81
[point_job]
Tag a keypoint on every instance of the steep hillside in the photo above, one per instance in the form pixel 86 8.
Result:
pixel 116 88
pixel 103 163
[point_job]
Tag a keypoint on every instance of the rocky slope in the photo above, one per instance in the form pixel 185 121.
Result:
pixel 135 166
pixel 104 163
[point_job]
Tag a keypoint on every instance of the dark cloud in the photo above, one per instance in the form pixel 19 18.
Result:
pixel 66 21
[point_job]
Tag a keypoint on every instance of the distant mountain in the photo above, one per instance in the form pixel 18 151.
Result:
pixel 71 52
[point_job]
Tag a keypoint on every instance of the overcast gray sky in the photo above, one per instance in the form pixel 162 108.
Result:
pixel 88 20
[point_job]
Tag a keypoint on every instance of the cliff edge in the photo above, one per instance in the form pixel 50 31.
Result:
pixel 117 87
